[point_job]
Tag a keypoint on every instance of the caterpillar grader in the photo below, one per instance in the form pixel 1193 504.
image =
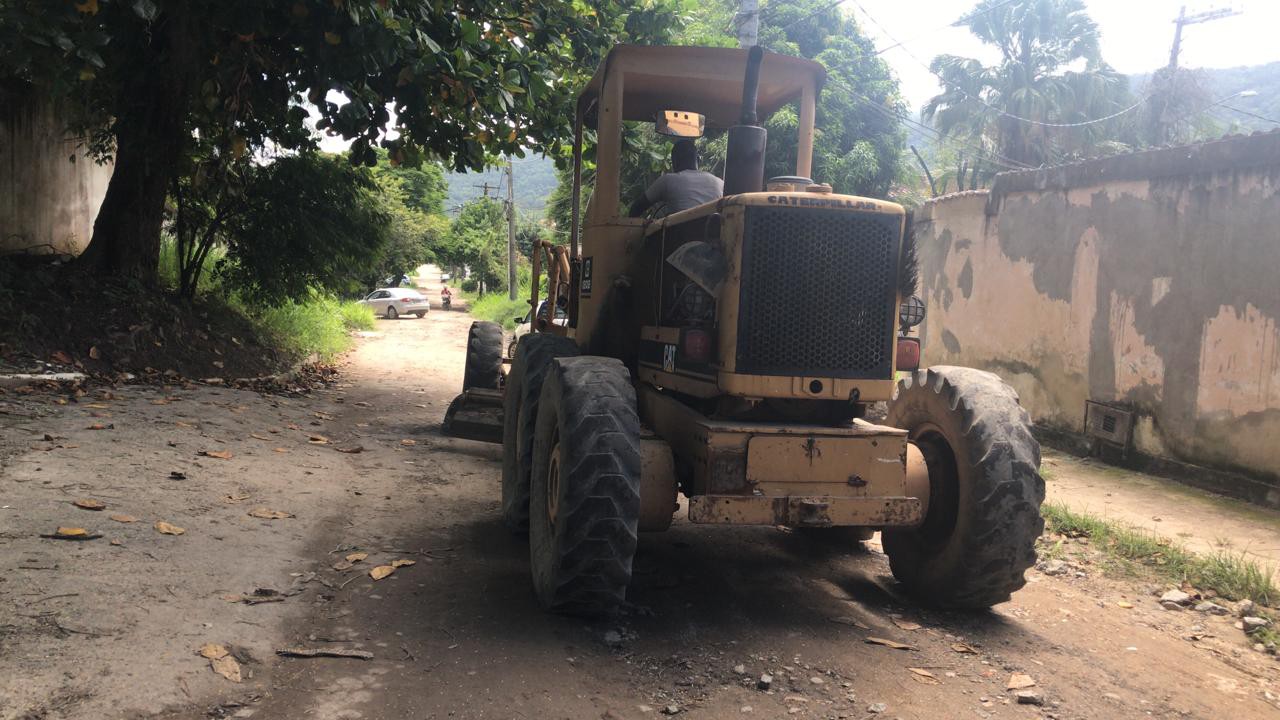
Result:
pixel 730 353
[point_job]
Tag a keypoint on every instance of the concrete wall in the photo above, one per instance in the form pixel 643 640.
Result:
pixel 49 191
pixel 1151 280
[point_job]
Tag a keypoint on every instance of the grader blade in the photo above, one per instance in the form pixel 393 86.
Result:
pixel 476 414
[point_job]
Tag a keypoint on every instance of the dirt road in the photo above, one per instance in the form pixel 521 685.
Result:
pixel 93 629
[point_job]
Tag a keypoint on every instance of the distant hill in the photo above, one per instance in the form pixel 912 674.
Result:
pixel 1225 82
pixel 535 179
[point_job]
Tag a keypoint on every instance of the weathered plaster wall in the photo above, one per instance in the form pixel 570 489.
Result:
pixel 49 191
pixel 1150 279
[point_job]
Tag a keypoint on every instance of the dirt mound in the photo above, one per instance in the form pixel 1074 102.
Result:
pixel 52 317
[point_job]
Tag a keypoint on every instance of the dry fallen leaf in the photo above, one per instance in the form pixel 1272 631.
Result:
pixel 181 424
pixel 100 426
pixel 281 450
pixel 357 556
pixel 318 440
pixel 924 676
pixel 850 621
pixel 962 648
pixel 259 436
pixel 221 661
pixel 351 450
pixel 1125 604
pixel 220 454
pixel 325 652
pixel 117 542
pixel 72 533
pixel 888 643
pixel 160 401
pixel 167 529
pixel 905 624
pixel 89 504
pixel 213 651
pixel 269 514
pixel 234 498
pixel 93 353
pixel 1018 681
pixel 124 518
pixel 342 565
pixel 403 563
pixel 381 571
pixel 61 357
pixel 407 441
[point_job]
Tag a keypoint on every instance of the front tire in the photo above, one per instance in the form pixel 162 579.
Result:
pixel 532 358
pixel 484 357
pixel 584 508
pixel 983 519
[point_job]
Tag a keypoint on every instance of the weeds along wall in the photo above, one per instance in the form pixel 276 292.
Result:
pixel 50 191
pixel 1149 280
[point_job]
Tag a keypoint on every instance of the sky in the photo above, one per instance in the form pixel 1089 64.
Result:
pixel 1136 35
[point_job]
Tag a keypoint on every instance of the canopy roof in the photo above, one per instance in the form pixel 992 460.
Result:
pixel 699 79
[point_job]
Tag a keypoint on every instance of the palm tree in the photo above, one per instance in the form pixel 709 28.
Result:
pixel 1050 72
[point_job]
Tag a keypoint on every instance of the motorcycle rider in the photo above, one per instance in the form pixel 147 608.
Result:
pixel 446 297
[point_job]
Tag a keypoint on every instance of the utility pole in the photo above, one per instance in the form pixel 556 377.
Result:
pixel 1185 19
pixel 748 22
pixel 511 229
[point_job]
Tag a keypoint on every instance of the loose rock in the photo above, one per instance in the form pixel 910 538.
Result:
pixel 1253 624
pixel 1053 567
pixel 1245 607
pixel 1030 697
pixel 765 682
pixel 671 709
pixel 877 708
pixel 1175 596
pixel 1212 608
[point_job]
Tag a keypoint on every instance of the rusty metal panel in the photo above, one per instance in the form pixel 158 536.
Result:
pixel 805 511
pixel 853 466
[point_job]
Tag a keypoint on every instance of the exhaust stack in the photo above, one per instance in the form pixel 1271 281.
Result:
pixel 744 156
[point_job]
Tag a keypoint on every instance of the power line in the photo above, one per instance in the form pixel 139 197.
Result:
pixel 989 156
pixel 792 24
pixel 1250 114
pixel 957 22
pixel 987 105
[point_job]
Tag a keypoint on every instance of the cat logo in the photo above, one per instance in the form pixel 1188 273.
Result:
pixel 668 358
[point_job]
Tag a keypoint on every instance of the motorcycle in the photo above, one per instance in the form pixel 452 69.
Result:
pixel 446 301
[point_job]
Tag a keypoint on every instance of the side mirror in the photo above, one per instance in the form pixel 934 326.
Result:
pixel 520 320
pixel 910 313
pixel 681 124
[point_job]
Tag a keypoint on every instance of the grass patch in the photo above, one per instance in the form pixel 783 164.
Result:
pixel 356 316
pixel 320 325
pixel 497 307
pixel 1232 576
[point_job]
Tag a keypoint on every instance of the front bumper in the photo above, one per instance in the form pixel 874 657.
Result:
pixel 806 511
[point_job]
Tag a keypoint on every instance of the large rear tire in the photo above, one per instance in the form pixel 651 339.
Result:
pixel 983 519
pixel 584 507
pixel 530 361
pixel 484 357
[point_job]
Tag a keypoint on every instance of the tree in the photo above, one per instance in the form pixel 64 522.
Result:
pixel 1012 106
pixel 308 221
pixel 422 188
pixel 477 241
pixel 464 79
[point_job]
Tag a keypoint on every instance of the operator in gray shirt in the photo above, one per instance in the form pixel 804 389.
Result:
pixel 684 187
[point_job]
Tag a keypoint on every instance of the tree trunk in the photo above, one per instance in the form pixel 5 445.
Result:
pixel 150 136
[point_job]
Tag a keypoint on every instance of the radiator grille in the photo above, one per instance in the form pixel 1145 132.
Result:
pixel 818 290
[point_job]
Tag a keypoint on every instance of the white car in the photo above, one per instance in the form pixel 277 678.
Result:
pixel 391 303
pixel 524 327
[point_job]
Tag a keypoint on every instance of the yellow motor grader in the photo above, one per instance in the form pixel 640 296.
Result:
pixel 729 352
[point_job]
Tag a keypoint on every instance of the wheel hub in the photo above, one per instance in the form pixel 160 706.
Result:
pixel 553 485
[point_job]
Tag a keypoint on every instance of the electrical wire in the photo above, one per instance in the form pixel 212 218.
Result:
pixel 815 13
pixel 1250 114
pixel 985 154
pixel 987 105
pixel 959 21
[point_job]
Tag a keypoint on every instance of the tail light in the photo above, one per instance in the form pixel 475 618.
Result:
pixel 406 300
pixel 908 353
pixel 696 346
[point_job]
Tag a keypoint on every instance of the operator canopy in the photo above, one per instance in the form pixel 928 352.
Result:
pixel 698 79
